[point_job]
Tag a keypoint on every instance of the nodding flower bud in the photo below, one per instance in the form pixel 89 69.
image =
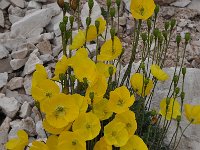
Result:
pixel 178 118
pixel 112 33
pixel 62 26
pixel 149 23
pixel 90 4
pixel 182 96
pixel 178 39
pixel 146 81
pixel 167 101
pixel 112 12
pixel 142 66
pixel 184 70
pixel 97 24
pixel 108 2
pixel 88 21
pixel 66 6
pixel 175 79
pixel 60 3
pixel 156 10
pixel 91 95
pixel 71 20
pixel 165 35
pixel 156 32
pixel 153 112
pixel 172 23
pixel 144 37
pixel 65 20
pixel 177 90
pixel 187 37
pixel 111 71
pixel 118 2
pixel 167 25
pixel 74 4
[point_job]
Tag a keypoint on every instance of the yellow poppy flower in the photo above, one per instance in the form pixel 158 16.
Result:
pixel 81 102
pixel 104 69
pixel 109 50
pixel 71 141
pixel 137 82
pixel 83 66
pixel 173 107
pixel 78 41
pixel 18 143
pixel 102 25
pixel 158 73
pixel 92 30
pixel 128 118
pixel 51 144
pixel 61 67
pixel 136 143
pixel 91 33
pixel 120 100
pixel 102 145
pixel 54 130
pixel 101 110
pixel 99 89
pixel 115 133
pixel 44 91
pixel 61 110
pixel 39 75
pixel 142 9
pixel 192 113
pixel 87 125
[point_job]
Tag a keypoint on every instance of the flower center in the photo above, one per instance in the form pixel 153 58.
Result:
pixel 49 95
pixel 88 126
pixel 60 110
pixel 120 102
pixel 74 142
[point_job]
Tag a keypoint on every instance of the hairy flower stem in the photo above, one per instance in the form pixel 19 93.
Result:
pixel 128 70
pixel 182 135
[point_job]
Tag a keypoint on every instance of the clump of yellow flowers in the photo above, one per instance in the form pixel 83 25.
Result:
pixel 90 104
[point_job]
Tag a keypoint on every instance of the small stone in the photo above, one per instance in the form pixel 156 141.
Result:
pixel 163 2
pixel 3 79
pixel 1 18
pixel 19 3
pixel 15 83
pixel 20 54
pixel 31 63
pixel 122 21
pixel 16 11
pixel 44 47
pixel 34 5
pixel 5 65
pixel 17 63
pixel 41 1
pixel 4 129
pixel 25 110
pixel 28 84
pixel 9 106
pixel 183 23
pixel 181 3
pixel 46 58
pixel 4 4
pixel 3 52
pixel 40 130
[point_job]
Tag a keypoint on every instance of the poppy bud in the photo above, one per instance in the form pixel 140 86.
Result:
pixel 108 3
pixel 73 4
pixel 60 3
pixel 90 4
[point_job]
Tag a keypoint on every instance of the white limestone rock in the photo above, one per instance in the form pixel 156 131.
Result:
pixel 34 5
pixel 46 58
pixel 40 130
pixel 19 3
pixel 28 84
pixel 25 110
pixel 4 129
pixel 3 52
pixel 181 3
pixel 32 24
pixel 4 4
pixel 9 106
pixel 15 83
pixel 3 79
pixel 18 63
pixel 1 18
pixel 31 63
pixel 20 54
